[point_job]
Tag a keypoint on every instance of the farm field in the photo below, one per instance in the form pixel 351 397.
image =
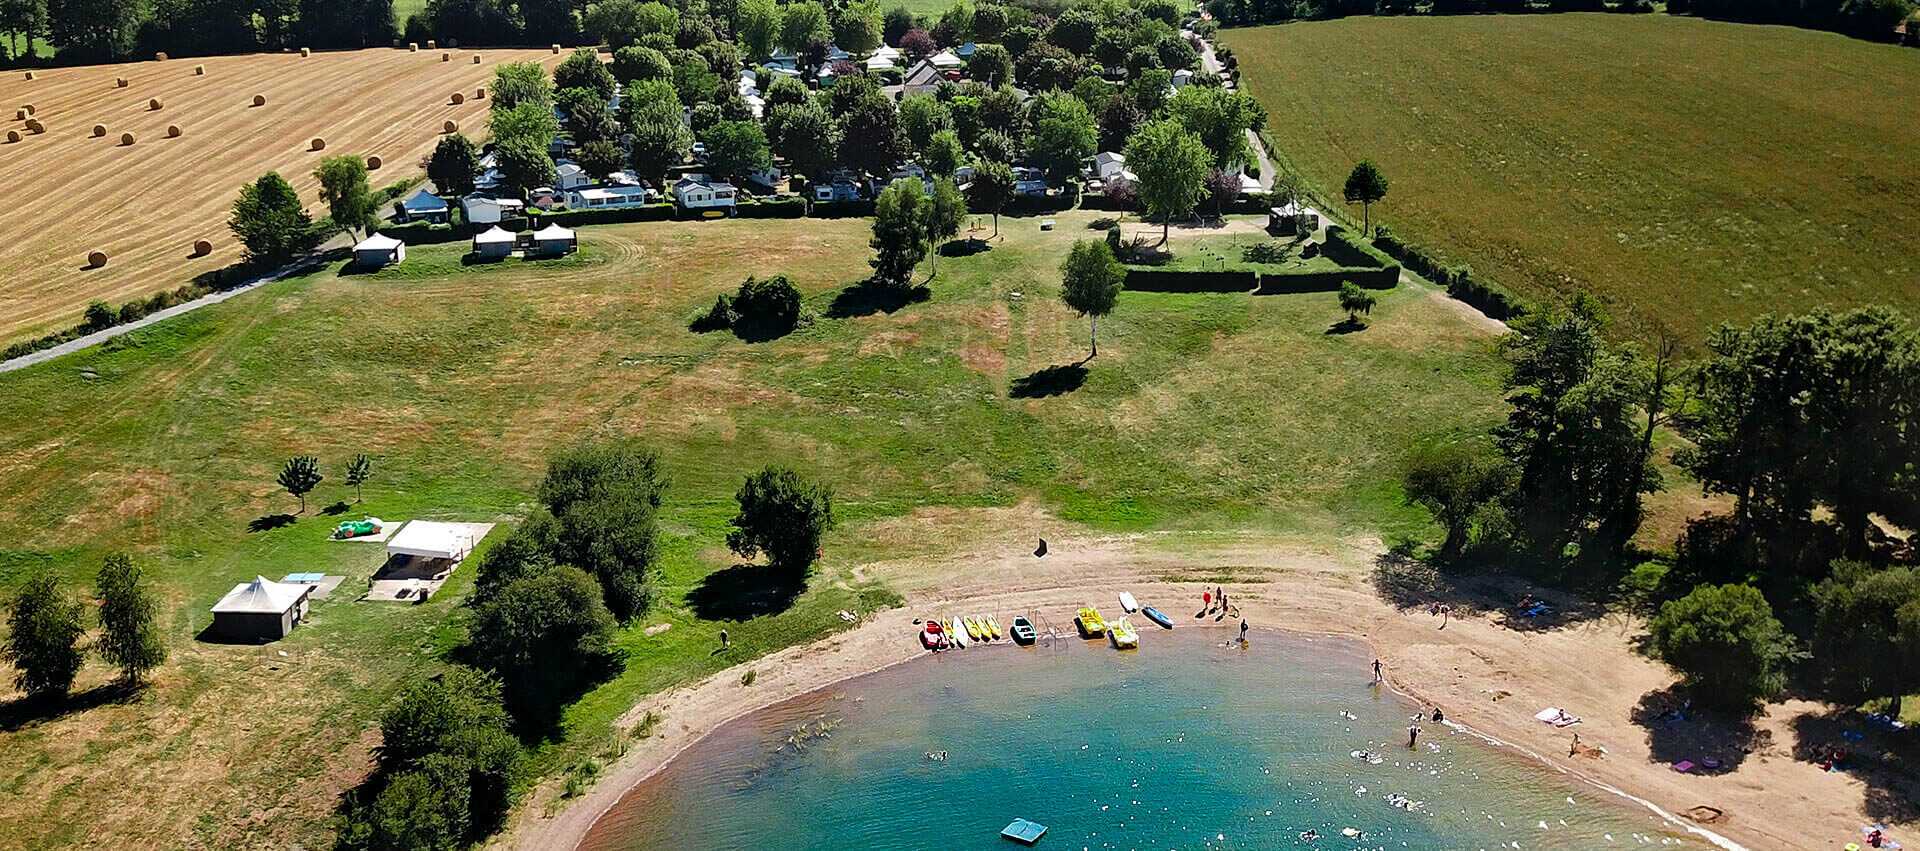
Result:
pixel 1688 170
pixel 938 423
pixel 146 204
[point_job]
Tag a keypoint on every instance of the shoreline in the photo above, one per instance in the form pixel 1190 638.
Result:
pixel 886 641
pixel 1489 675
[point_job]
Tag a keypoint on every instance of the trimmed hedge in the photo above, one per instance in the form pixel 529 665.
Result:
pixel 791 208
pixel 1459 281
pixel 1168 281
pixel 1346 249
pixel 423 233
pixel 842 209
pixel 603 216
pixel 1328 280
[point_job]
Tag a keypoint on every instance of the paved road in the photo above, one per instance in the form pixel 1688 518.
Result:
pixel 1211 64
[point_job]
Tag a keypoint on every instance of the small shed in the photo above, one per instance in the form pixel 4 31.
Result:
pixel 261 610
pixel 430 539
pixel 425 206
pixel 494 242
pixel 377 250
pixel 554 240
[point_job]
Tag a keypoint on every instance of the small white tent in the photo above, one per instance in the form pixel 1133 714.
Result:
pixel 261 609
pixel 554 239
pixel 494 242
pixel 377 250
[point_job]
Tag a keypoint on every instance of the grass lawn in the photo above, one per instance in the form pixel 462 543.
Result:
pixel 1689 170
pixel 1203 411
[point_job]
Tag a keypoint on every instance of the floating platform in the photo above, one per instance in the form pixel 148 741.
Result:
pixel 1024 832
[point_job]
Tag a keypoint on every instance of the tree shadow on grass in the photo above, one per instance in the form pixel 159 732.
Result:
pixel 1883 760
pixel 745 591
pixel 867 298
pixel 1346 326
pixel 27 711
pixel 1410 583
pixel 761 331
pixel 1056 380
pixel 1715 742
pixel 964 247
pixel 269 522
pixel 338 508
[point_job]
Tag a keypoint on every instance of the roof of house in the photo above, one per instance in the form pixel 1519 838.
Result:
pixel 946 60
pixel 431 539
pixel 553 231
pixel 424 202
pixel 479 197
pixel 262 596
pixel 566 168
pixel 889 52
pixel 493 235
pixel 377 242
pixel 966 50
pixel 701 180
pixel 877 62
pixel 923 74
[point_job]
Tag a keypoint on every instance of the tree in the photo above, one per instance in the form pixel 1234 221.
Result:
pixel 1866 634
pixel 1221 119
pixel 767 306
pixel 991 64
pixel 802 134
pixel 870 134
pixel 759 29
pixel 617 23
pixel 453 166
pixel 921 116
pixel 420 809
pixel 1355 300
pixel 899 232
pixel 128 639
pixel 1726 644
pixel 42 627
pixel 430 712
pixel 657 146
pixel 946 213
pixel 1062 136
pixel 269 220
pixel 529 122
pixel 359 469
pixel 584 70
pixel 1223 188
pixel 917 44
pixel 895 23
pixel 784 91
pixel 1366 185
pixel 1090 282
pixel 524 165
pixel 694 81
pixel 802 22
pixel 992 189
pixel 605 498
pixel 1458 485
pixel 737 148
pixel 544 634
pixel 600 158
pixel 636 63
pixel 515 83
pixel 1171 164
pixel 1118 122
pixel 944 155
pixel 300 475
pixel 784 516
pixel 857 30
pixel 343 186
pixel 588 119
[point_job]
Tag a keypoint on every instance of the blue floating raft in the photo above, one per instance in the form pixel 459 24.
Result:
pixel 1024 832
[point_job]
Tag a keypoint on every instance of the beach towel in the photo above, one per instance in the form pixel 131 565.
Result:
pixel 1683 766
pixel 1885 842
pixel 1556 716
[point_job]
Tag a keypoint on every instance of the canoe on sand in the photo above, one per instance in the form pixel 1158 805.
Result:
pixel 1127 603
pixel 1157 616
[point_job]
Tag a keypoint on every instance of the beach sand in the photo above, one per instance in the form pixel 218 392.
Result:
pixel 1587 668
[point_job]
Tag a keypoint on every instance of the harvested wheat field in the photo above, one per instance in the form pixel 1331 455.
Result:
pixel 145 204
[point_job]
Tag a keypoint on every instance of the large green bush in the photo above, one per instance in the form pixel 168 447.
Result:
pixel 1726 644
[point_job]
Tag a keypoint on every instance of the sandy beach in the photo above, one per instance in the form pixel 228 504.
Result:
pixel 1487 674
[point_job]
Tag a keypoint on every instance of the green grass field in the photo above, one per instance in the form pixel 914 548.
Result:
pixel 1203 411
pixel 1689 170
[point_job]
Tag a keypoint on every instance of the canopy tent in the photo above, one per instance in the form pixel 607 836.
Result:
pixel 553 231
pixel 428 539
pixel 946 60
pixel 377 242
pixel 495 234
pixel 262 596
pixel 424 202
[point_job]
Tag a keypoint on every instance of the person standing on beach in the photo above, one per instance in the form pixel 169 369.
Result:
pixel 1206 599
pixel 1376 670
pixel 1243 632
pixel 1575 747
pixel 1413 734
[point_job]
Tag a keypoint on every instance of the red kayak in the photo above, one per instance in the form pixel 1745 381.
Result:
pixel 933 636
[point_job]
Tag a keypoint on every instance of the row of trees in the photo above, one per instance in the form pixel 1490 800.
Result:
pixel 1869 19
pixel 112 30
pixel 301 474
pixel 273 225
pixel 44 627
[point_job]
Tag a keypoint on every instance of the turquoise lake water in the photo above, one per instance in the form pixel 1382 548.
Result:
pixel 1187 743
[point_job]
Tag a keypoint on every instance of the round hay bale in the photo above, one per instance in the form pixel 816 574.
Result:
pixel 29 75
pixel 476 59
pixel 413 47
pixel 199 70
pixel 446 57
pixel 433 45
pixel 28 108
pixel 449 126
pixel 173 131
pixel 480 93
pixel 120 82
pixel 20 115
pixel 99 130
pixel 318 144
pixel 202 248
pixel 13 136
pixel 458 98
pixel 556 50
pixel 153 103
pixel 374 162
pixel 160 57
pixel 306 51
pixel 259 100
pixel 35 126
pixel 96 259
pixel 126 138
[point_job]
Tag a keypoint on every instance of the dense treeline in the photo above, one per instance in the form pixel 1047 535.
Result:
pixel 80 31
pixel 1869 19
pixel 1810 424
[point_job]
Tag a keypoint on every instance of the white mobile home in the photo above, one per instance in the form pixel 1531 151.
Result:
pixel 488 210
pixel 598 197
pixel 700 192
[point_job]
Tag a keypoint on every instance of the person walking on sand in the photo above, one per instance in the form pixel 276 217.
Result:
pixel 1376 670
pixel 1575 747
pixel 1243 632
pixel 1206 600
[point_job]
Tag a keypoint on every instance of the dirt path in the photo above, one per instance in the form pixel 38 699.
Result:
pixel 1487 675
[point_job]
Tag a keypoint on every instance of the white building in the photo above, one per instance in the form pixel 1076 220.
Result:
pixel 600 197
pixel 572 176
pixel 947 60
pixel 1108 165
pixel 700 192
pixel 261 610
pixel 430 539
pixel 487 210
pixel 494 242
pixel 376 251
